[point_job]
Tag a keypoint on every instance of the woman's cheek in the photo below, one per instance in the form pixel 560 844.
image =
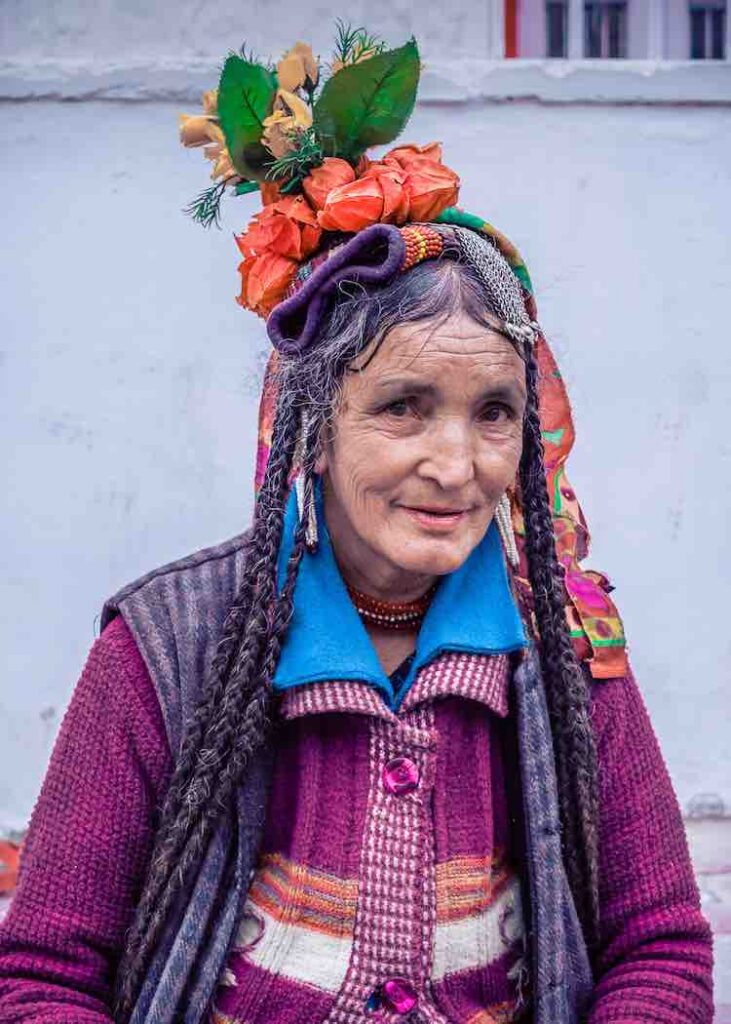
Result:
pixel 499 465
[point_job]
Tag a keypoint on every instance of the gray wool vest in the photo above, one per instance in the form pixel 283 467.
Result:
pixel 176 615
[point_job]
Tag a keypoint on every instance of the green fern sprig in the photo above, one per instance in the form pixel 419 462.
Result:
pixel 249 55
pixel 352 43
pixel 206 208
pixel 297 164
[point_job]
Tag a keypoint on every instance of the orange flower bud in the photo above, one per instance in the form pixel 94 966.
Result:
pixel 298 210
pixel 353 206
pixel 264 281
pixel 331 174
pixel 287 228
pixel 404 155
pixel 432 187
pixel 395 195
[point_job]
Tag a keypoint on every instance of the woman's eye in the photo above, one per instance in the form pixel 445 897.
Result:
pixel 399 407
pixel 496 413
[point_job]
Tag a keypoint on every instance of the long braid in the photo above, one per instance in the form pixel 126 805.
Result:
pixel 567 691
pixel 195 798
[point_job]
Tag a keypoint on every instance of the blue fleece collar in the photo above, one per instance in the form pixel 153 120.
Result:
pixel 473 611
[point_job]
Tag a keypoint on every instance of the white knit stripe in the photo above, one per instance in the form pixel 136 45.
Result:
pixel 479 940
pixel 295 952
pixel 349 695
pixel 480 677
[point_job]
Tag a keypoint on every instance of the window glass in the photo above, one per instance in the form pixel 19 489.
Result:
pixel 605 29
pixel 718 34
pixel 592 30
pixel 556 42
pixel 617 42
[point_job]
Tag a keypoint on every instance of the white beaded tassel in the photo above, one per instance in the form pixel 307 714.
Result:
pixel 311 538
pixel 310 513
pixel 504 520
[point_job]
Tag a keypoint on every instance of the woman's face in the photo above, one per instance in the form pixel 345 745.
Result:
pixel 425 440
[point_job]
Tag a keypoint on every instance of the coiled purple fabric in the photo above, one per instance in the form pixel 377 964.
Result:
pixel 372 256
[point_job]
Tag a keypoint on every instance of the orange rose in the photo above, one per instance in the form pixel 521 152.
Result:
pixel 380 195
pixel 331 174
pixel 264 281
pixel 404 155
pixel 432 187
pixel 286 228
pixel 395 195
pixel 352 207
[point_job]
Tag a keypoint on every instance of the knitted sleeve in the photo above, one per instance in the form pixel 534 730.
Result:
pixel 655 957
pixel 88 844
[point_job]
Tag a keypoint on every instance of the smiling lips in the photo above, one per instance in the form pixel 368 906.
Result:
pixel 436 520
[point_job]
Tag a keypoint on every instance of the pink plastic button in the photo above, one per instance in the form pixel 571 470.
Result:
pixel 400 776
pixel 399 995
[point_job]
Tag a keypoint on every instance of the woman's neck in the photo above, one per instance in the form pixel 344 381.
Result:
pixel 392 648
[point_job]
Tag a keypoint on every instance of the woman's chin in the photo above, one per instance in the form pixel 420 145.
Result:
pixel 433 557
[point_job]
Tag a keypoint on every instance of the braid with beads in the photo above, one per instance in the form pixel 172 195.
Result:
pixel 232 720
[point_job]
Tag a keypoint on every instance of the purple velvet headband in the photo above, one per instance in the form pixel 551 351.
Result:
pixel 372 256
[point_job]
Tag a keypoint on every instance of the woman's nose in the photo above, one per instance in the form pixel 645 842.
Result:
pixel 449 457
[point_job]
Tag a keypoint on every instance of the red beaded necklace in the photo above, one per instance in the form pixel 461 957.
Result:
pixel 397 615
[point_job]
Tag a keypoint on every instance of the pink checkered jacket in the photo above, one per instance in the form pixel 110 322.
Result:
pixel 387 875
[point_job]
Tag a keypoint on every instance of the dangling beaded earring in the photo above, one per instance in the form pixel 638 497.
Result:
pixel 304 488
pixel 504 521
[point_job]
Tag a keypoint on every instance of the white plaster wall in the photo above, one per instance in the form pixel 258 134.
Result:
pixel 129 379
pixel 111 30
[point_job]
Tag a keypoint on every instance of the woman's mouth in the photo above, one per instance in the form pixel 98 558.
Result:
pixel 436 520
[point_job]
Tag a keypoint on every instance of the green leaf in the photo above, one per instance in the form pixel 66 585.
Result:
pixel 245 97
pixel 244 187
pixel 368 104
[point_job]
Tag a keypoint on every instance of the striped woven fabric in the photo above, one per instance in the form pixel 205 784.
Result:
pixel 365 879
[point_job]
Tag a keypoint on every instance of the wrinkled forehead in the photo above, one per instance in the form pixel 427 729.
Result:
pixel 427 348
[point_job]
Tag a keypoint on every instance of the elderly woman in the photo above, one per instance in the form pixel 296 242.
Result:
pixel 380 758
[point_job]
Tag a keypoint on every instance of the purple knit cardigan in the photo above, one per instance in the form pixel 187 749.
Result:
pixel 92 827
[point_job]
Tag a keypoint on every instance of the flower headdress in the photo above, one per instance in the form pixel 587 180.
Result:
pixel 331 213
pixel 301 139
